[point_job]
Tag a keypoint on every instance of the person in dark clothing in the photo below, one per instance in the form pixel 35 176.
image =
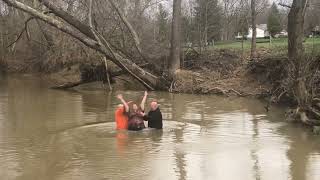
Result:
pixel 154 116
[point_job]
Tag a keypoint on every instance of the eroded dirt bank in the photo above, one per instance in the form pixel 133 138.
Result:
pixel 221 72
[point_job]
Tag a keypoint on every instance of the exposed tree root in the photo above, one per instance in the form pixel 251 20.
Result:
pixel 299 115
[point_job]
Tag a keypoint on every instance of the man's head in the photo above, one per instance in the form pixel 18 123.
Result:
pixel 154 105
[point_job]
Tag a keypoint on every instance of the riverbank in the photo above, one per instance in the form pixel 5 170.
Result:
pixel 221 72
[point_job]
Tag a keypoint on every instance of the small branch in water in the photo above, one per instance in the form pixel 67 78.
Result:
pixel 107 71
pixel 238 93
pixel 171 87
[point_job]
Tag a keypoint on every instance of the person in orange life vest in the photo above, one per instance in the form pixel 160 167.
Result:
pixel 121 117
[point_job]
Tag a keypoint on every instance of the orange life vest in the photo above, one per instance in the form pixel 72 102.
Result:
pixel 121 118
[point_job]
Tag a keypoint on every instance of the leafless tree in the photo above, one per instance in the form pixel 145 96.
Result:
pixel 300 64
pixel 254 29
pixel 175 38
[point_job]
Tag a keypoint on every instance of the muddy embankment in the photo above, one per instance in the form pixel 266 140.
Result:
pixel 222 72
pixel 227 72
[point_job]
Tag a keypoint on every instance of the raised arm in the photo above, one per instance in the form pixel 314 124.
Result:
pixel 126 106
pixel 144 99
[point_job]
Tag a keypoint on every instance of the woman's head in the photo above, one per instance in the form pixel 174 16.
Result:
pixel 135 107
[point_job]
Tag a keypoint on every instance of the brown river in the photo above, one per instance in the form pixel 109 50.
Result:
pixel 48 134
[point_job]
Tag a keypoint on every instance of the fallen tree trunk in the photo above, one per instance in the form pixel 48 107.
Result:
pixel 150 81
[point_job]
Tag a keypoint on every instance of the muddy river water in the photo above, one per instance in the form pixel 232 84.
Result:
pixel 48 134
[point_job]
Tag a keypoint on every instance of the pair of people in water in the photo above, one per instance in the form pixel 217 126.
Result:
pixel 131 116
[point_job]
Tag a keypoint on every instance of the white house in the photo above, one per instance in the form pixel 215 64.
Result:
pixel 262 31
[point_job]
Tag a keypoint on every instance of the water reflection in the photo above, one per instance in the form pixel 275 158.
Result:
pixel 122 142
pixel 303 150
pixel 254 150
pixel 48 134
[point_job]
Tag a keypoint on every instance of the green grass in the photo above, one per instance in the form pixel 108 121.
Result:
pixel 277 45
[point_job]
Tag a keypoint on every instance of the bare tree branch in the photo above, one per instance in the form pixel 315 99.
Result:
pixel 133 33
pixel 68 18
pixel 148 80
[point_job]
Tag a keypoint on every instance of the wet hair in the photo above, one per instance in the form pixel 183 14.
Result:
pixel 132 104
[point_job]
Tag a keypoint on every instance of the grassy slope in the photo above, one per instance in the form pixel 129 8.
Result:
pixel 279 45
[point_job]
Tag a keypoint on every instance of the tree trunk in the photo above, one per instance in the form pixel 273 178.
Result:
pixel 242 44
pixel 295 50
pixel 87 37
pixel 206 26
pixel 200 38
pixel 308 114
pixel 174 64
pixel 137 14
pixel 254 29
